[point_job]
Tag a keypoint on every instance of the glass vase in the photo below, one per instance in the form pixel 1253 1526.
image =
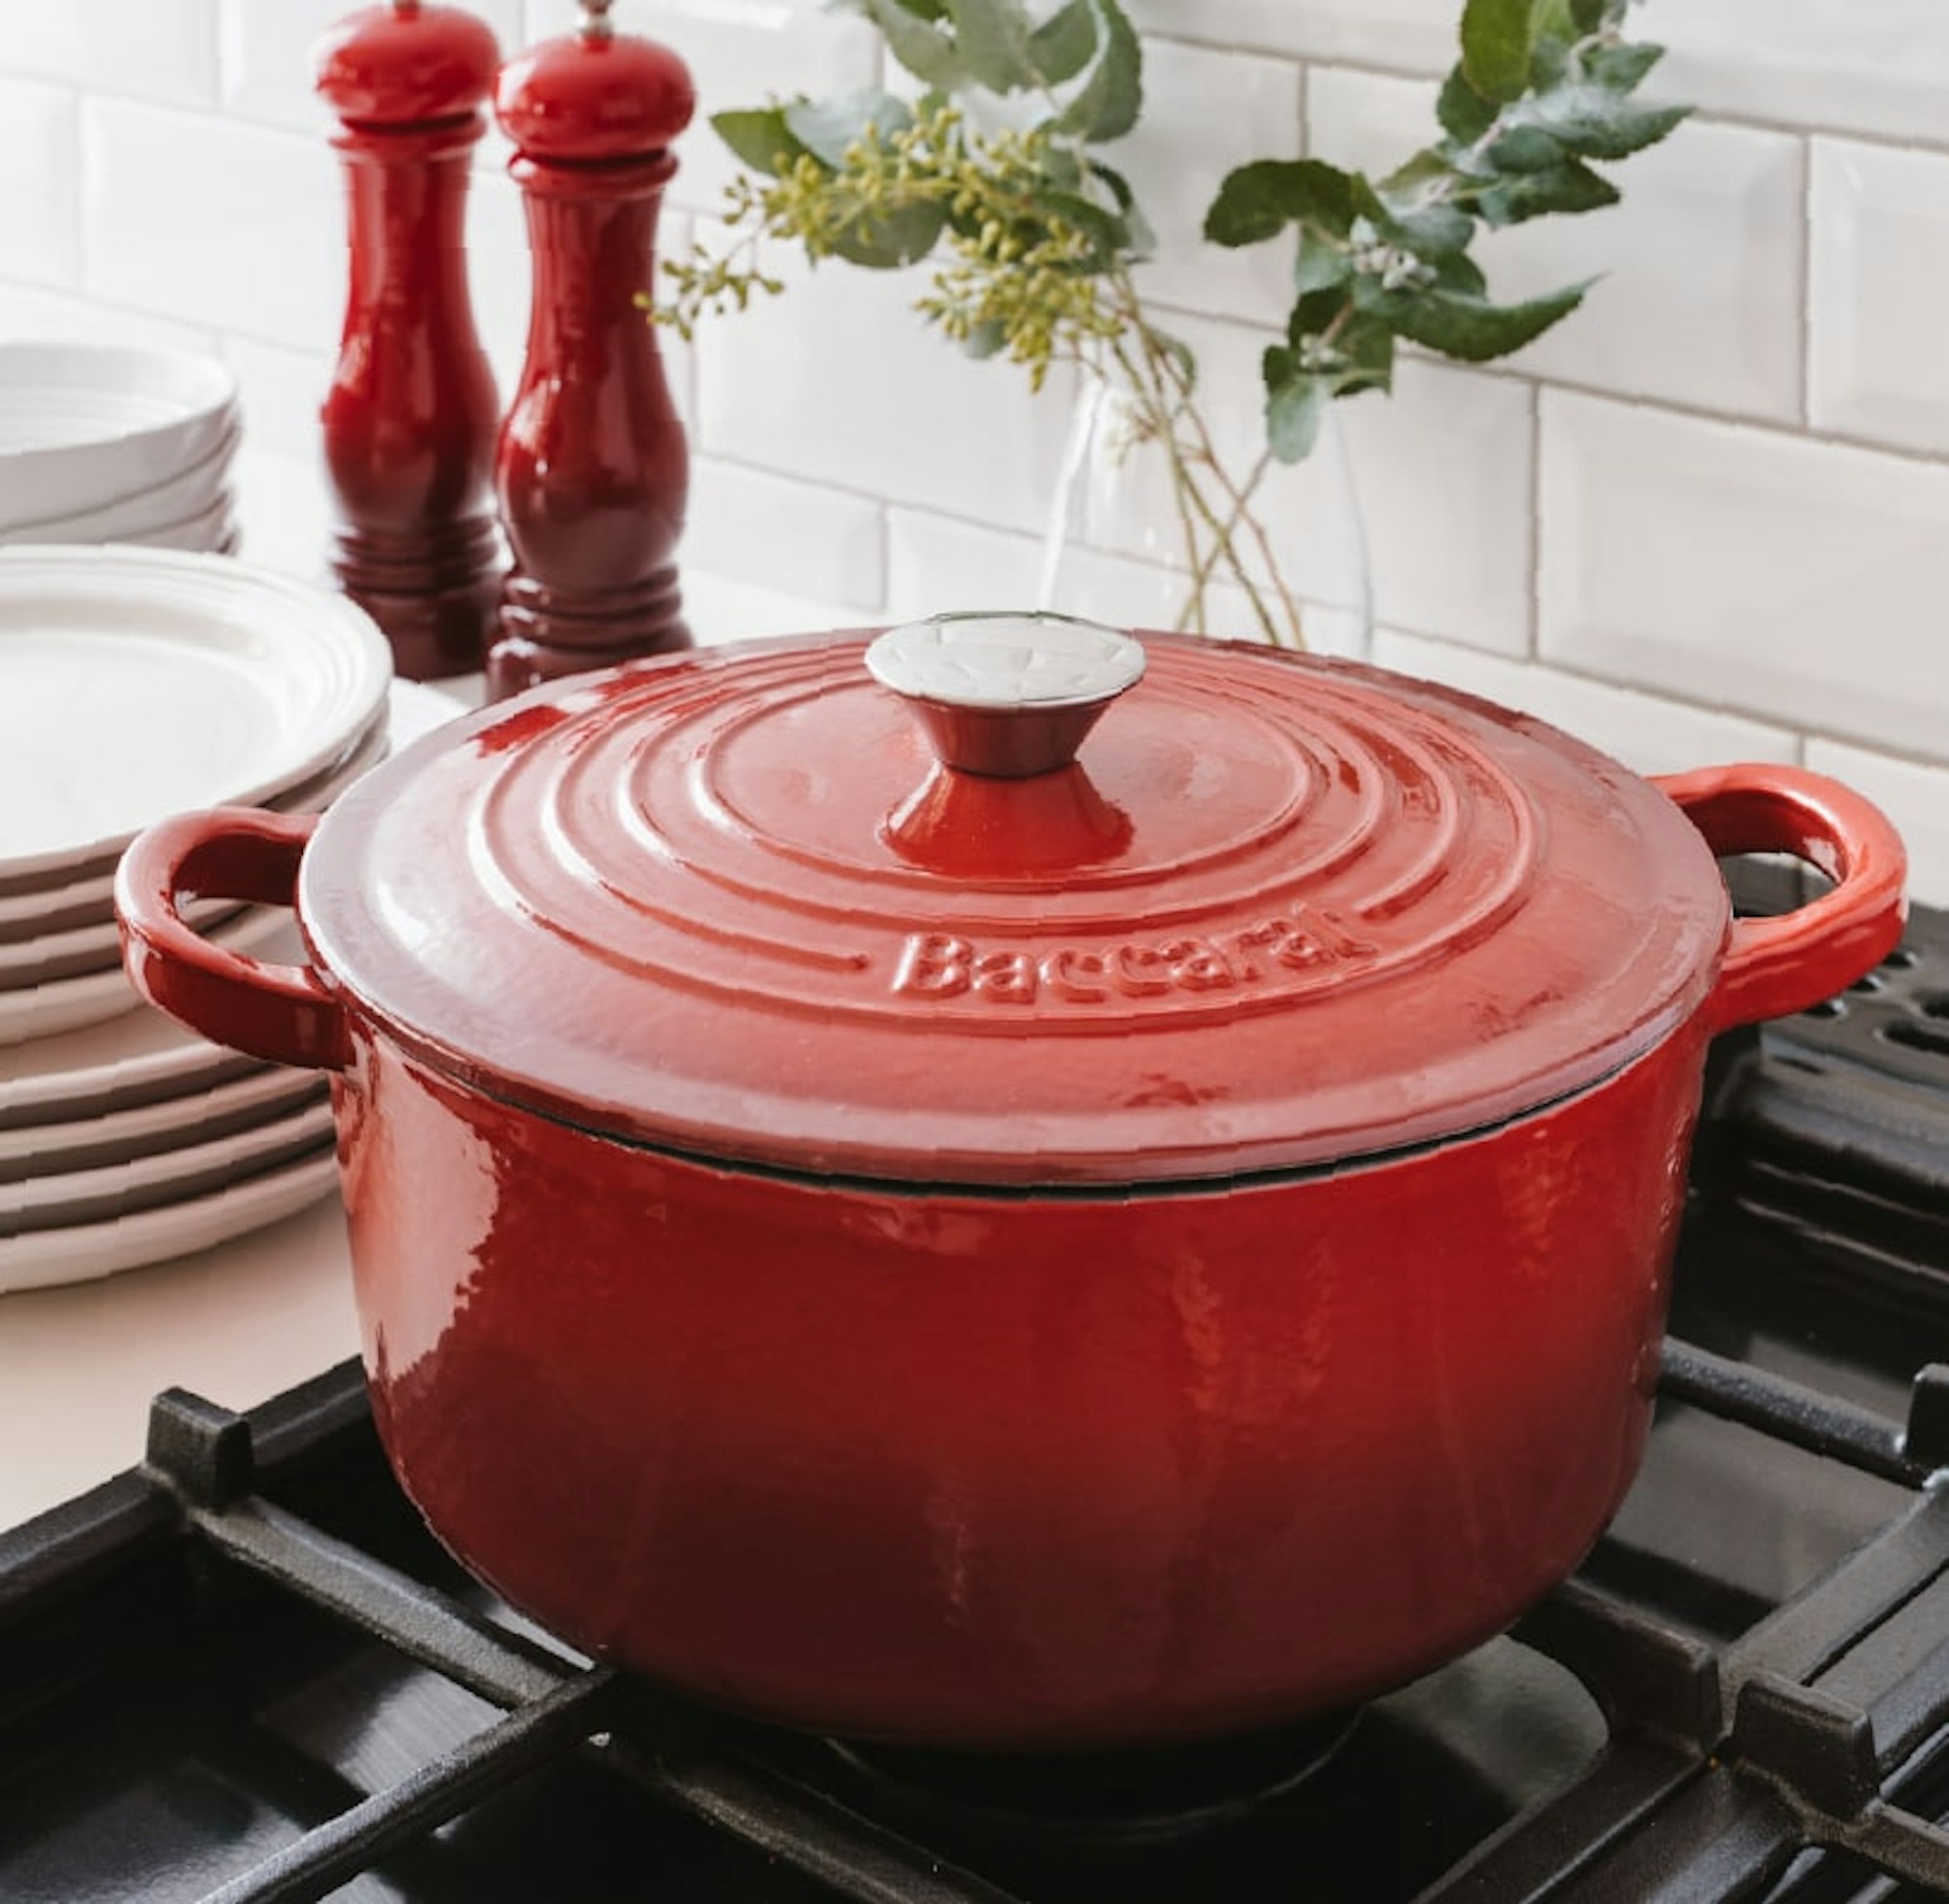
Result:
pixel 1139 543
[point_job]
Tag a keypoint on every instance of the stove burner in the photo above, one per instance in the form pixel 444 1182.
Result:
pixel 1097 1804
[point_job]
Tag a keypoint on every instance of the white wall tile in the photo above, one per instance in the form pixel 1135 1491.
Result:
pixel 281 391
pixel 40 141
pixel 838 380
pixel 1443 470
pixel 1880 289
pixel 1915 797
pixel 791 538
pixel 267 47
pixel 283 512
pixel 1795 581
pixel 1647 734
pixel 157 49
pixel 1176 158
pixel 1836 65
pixel 212 222
pixel 27 312
pixel 1700 267
pixel 1412 35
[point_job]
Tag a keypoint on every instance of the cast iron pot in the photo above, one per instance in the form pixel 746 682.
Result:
pixel 878 1224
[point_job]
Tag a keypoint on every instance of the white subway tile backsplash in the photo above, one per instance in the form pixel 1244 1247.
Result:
pixel 212 221
pixel 792 538
pixel 282 392
pixel 1649 735
pixel 1699 269
pixel 1915 797
pixel 156 49
pixel 1413 35
pixel 1176 158
pixel 1794 581
pixel 1880 288
pixel 1838 64
pixel 267 50
pixel 838 381
pixel 26 311
pixel 1443 471
pixel 40 141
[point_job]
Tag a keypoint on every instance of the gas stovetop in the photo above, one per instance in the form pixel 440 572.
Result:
pixel 243 1671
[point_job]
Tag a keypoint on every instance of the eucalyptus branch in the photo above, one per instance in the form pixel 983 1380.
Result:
pixel 1034 241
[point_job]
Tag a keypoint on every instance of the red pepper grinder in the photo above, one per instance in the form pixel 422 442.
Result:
pixel 593 469
pixel 410 418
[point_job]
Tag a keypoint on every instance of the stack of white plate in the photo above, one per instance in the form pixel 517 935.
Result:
pixel 136 683
pixel 103 443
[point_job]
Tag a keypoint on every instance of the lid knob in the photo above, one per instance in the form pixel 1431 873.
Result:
pixel 405 66
pixel 1006 696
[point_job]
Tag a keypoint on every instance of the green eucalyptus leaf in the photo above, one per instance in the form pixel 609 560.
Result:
pixel 1258 201
pixel 1140 235
pixel 1464 326
pixel 1107 232
pixel 1497 39
pixel 1321 266
pixel 1367 346
pixel 1463 113
pixel 829 129
pixel 1065 41
pixel 1620 68
pixel 760 137
pixel 992 38
pixel 1549 65
pixel 1523 148
pixel 884 241
pixel 1568 187
pixel 984 340
pixel 1181 357
pixel 1107 104
pixel 1295 404
pixel 1459 272
pixel 921 47
pixel 1434 230
pixel 925 9
pixel 1595 123
pixel 1588 15
pixel 1425 170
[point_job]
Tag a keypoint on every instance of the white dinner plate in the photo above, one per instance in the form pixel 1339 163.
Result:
pixel 263 1094
pixel 140 1057
pixel 82 424
pixel 140 682
pixel 185 493
pixel 40 1258
pixel 66 1197
pixel 36 1010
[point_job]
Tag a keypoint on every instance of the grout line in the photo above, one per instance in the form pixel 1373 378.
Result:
pixel 1803 332
pixel 1533 634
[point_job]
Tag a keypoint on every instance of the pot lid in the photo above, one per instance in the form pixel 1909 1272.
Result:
pixel 850 910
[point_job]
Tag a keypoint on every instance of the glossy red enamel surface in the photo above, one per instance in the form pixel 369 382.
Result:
pixel 406 65
pixel 592 468
pixel 1014 1470
pixel 585 99
pixel 1278 911
pixel 410 418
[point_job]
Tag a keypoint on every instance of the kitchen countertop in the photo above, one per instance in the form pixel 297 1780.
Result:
pixel 236 1323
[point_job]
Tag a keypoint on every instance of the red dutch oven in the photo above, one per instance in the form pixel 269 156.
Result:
pixel 876 1222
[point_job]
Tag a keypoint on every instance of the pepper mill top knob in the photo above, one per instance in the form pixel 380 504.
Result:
pixel 595 94
pixel 407 64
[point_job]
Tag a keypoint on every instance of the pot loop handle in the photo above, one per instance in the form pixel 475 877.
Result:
pixel 281 1013
pixel 1775 966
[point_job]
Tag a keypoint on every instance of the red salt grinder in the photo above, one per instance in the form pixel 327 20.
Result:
pixel 593 469
pixel 410 417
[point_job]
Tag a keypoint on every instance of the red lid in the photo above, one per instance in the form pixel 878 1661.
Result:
pixel 595 94
pixel 407 64
pixel 1277 911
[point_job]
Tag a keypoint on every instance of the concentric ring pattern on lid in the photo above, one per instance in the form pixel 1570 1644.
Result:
pixel 1277 912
